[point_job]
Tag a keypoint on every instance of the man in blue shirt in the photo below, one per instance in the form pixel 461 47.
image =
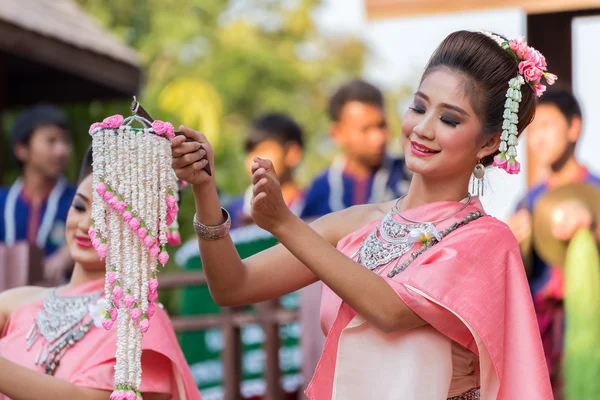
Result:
pixel 363 173
pixel 34 208
pixel 277 137
pixel 553 134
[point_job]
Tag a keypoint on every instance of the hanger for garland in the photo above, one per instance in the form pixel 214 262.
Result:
pixel 137 109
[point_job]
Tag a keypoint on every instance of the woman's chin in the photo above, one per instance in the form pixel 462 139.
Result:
pixel 88 259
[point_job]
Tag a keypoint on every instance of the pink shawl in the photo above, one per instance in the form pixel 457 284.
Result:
pixel 475 272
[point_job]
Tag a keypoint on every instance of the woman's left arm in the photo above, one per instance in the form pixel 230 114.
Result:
pixel 20 383
pixel 367 293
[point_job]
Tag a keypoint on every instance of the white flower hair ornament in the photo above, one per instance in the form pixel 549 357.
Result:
pixel 134 208
pixel 531 69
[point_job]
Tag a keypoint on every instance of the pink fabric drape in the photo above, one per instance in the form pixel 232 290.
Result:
pixel 90 363
pixel 472 288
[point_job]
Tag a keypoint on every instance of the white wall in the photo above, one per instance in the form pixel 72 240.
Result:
pixel 586 67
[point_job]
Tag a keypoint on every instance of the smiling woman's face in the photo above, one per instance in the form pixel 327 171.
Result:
pixel 441 133
pixel 79 221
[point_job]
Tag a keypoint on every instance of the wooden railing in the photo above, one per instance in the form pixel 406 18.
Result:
pixel 268 314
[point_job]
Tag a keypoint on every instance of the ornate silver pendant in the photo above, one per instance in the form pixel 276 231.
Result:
pixel 391 240
pixel 61 324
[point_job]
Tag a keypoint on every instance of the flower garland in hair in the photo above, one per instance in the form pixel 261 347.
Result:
pixel 134 206
pixel 531 68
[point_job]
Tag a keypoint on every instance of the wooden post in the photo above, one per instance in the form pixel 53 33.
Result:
pixel 231 356
pixel 271 347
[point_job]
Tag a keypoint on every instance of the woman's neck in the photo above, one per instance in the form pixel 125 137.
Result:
pixel 424 191
pixel 81 275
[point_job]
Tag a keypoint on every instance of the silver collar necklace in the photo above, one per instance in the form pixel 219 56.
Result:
pixel 391 239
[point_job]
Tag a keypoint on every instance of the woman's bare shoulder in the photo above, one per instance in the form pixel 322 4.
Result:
pixel 337 225
pixel 13 299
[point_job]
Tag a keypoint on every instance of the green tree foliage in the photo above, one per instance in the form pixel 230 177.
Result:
pixel 257 55
pixel 582 306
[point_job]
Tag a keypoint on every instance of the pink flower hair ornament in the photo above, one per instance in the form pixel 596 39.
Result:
pixel 531 69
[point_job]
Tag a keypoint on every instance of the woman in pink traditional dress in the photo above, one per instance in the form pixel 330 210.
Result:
pixel 53 345
pixel 426 296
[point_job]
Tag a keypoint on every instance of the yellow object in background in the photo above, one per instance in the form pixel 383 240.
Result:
pixel 196 103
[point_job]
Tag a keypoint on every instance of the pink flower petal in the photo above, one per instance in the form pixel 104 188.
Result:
pixel 142 232
pixel 151 310
pixel 163 258
pixel 107 323
pixel 113 201
pixel 144 325
pixel 114 121
pixel 117 293
pixel 120 207
pixel 101 188
pixel 154 250
pixel 136 314
pixel 129 301
pixel 159 127
pixel 149 241
pixel 153 295
pixel 134 224
pixel 152 284
pixel 127 216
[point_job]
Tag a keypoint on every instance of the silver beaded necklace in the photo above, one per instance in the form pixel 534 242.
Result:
pixel 62 323
pixel 391 239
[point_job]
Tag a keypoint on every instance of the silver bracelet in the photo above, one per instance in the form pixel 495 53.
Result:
pixel 208 232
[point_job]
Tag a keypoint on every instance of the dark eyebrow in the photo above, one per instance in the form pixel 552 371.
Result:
pixel 423 95
pixel 83 197
pixel 444 105
pixel 455 108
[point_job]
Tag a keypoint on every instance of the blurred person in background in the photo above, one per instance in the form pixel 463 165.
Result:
pixel 553 134
pixel 278 137
pixel 34 208
pixel 363 173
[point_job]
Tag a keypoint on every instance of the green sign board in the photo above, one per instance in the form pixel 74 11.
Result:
pixel 202 349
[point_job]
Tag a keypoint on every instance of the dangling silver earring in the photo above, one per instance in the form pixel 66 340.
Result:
pixel 477 180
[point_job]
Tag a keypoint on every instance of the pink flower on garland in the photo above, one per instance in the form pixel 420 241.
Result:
pixel 113 122
pixel 129 300
pixel 151 310
pixel 500 161
pixel 107 323
pixel 136 314
pixel 101 188
pixel 145 324
pixel 95 126
pixel 513 166
pixel 163 128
